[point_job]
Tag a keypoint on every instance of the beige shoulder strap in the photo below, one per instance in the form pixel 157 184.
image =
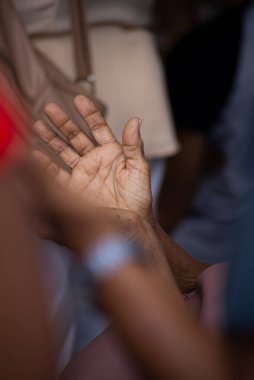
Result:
pixel 81 43
pixel 29 73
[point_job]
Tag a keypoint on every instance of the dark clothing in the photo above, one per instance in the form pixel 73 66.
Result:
pixel 201 70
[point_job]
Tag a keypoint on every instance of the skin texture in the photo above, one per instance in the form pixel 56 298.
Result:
pixel 185 269
pixel 111 175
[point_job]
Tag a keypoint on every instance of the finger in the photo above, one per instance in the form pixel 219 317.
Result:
pixel 95 121
pixel 75 136
pixel 53 170
pixel 132 141
pixel 60 147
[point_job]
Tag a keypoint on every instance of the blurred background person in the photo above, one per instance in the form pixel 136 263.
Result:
pixel 125 61
pixel 128 72
pixel 211 87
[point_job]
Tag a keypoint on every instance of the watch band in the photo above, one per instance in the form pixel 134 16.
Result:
pixel 108 256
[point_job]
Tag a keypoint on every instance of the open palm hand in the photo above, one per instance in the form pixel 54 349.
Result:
pixel 107 173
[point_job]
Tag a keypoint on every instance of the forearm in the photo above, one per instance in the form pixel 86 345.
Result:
pixel 159 329
pixel 185 268
pixel 26 345
pixel 164 255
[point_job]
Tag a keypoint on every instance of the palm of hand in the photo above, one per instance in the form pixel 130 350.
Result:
pixel 111 175
pixel 102 174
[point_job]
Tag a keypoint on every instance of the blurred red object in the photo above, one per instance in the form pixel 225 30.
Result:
pixel 15 119
pixel 7 128
pixel 12 144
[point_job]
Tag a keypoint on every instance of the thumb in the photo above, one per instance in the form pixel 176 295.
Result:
pixel 132 141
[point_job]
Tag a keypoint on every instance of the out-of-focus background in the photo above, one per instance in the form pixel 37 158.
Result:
pixel 186 69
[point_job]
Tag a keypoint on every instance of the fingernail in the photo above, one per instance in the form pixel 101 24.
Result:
pixel 140 122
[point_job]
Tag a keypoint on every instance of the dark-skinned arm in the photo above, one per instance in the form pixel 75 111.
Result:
pixel 26 345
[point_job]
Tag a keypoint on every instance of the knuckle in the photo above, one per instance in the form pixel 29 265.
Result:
pixel 74 163
pixel 59 147
pixel 85 149
pixel 72 134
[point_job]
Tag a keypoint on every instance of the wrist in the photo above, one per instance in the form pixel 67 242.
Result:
pixel 151 218
pixel 85 233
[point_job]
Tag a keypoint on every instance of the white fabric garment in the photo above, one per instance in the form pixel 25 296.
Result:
pixel 52 16
pixel 129 75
